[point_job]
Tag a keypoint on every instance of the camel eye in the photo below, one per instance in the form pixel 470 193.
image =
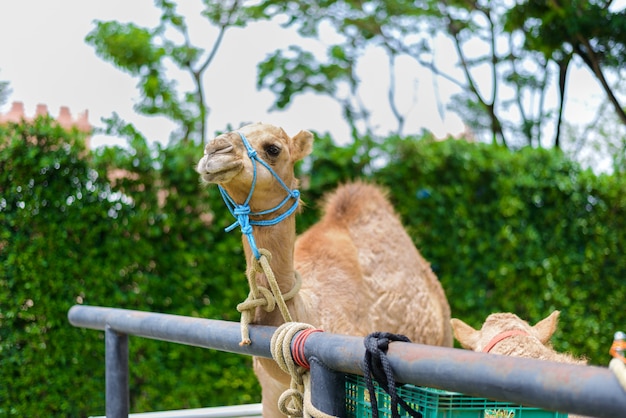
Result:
pixel 272 150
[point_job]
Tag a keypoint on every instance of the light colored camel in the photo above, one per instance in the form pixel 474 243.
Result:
pixel 507 334
pixel 361 271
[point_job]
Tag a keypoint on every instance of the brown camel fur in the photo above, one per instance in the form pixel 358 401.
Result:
pixel 361 271
pixel 533 343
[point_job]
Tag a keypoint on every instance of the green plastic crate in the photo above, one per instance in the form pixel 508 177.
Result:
pixel 435 403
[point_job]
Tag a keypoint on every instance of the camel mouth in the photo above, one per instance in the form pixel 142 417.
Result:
pixel 224 148
pixel 220 162
pixel 212 170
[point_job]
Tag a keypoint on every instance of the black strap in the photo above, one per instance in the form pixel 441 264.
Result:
pixel 377 365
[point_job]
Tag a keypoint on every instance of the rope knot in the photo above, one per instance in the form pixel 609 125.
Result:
pixel 261 296
pixel 244 224
pixel 263 299
pixel 241 210
pixel 256 262
pixel 246 229
pixel 377 366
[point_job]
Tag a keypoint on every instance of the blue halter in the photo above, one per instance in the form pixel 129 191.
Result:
pixel 242 212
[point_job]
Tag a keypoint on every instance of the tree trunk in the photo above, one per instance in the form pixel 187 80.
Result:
pixel 563 67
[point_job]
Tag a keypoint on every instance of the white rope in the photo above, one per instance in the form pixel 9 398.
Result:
pixel 291 401
pixel 261 296
pixel 295 401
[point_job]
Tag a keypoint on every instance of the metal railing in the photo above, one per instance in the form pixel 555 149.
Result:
pixel 585 390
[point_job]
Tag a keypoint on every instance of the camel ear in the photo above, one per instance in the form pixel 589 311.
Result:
pixel 465 334
pixel 546 327
pixel 302 145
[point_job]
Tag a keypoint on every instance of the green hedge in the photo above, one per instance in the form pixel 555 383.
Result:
pixel 526 232
pixel 69 237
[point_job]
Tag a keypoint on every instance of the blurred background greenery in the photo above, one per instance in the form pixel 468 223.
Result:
pixel 510 216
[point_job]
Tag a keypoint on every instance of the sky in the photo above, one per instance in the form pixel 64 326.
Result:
pixel 45 59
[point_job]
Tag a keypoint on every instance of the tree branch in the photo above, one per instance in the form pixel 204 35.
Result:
pixel 593 63
pixel 391 93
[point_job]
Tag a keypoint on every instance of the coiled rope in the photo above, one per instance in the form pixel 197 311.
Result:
pixel 295 401
pixel 261 296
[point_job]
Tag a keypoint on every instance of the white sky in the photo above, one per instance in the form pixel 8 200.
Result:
pixel 45 59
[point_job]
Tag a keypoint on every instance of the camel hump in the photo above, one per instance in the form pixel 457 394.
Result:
pixel 353 201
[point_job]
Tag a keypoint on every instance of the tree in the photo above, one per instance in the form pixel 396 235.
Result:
pixel 587 29
pixel 149 53
pixel 502 88
pixel 600 144
pixel 296 71
pixel 512 108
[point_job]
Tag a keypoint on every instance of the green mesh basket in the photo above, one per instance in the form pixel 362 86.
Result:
pixel 435 403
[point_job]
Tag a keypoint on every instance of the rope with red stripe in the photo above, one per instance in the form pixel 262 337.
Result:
pixel 295 401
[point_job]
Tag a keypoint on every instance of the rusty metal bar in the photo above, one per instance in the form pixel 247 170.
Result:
pixel 585 390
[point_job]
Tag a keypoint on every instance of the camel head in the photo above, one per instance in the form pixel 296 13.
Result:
pixel 498 323
pixel 227 162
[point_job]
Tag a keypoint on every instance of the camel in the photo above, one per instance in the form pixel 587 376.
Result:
pixel 507 334
pixel 360 269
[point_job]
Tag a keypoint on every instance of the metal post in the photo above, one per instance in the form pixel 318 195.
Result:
pixel 328 389
pixel 116 362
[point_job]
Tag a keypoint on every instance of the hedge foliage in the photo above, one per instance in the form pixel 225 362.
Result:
pixel 526 232
pixel 69 236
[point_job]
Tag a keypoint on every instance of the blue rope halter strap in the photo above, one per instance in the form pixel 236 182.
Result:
pixel 242 212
